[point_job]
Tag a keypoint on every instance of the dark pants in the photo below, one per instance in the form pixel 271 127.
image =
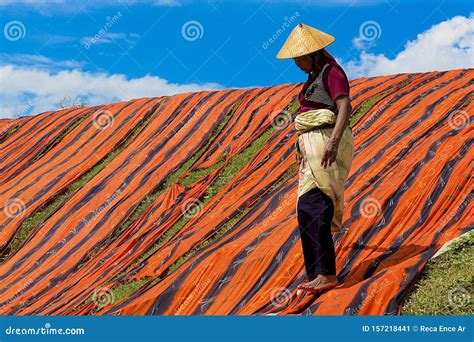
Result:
pixel 315 212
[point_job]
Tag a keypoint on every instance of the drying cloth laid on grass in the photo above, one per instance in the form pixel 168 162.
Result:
pixel 311 141
pixel 408 192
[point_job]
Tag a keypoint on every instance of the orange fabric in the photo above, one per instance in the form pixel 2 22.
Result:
pixel 407 193
pixel 31 183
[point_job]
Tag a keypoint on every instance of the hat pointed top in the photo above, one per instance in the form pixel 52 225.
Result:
pixel 302 40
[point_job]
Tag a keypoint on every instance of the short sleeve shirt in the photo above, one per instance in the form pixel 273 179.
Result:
pixel 332 83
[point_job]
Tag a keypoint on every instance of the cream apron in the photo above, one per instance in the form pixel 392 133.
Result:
pixel 311 141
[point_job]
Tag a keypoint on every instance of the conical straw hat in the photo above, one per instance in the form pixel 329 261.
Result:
pixel 302 40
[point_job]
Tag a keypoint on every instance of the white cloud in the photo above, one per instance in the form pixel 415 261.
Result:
pixel 37 61
pixel 362 44
pixel 444 46
pixel 36 89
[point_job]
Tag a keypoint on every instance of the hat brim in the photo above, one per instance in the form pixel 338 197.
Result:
pixel 303 40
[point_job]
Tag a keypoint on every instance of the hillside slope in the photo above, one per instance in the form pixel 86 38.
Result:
pixel 186 204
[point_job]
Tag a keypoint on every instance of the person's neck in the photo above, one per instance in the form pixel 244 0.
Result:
pixel 319 65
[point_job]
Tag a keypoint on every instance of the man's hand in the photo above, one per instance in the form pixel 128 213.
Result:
pixel 330 153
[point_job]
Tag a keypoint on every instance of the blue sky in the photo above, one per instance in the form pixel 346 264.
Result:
pixel 106 51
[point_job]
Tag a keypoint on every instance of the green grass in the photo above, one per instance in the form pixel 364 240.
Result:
pixel 364 107
pixel 288 174
pixel 61 136
pixel 10 132
pixel 48 208
pixel 446 280
pixel 237 163
pixel 367 104
pixel 446 284
pixel 126 289
pixel 224 177
pixel 149 199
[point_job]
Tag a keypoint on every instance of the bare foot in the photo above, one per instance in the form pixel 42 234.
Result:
pixel 321 282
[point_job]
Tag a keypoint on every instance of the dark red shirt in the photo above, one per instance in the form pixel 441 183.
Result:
pixel 320 91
